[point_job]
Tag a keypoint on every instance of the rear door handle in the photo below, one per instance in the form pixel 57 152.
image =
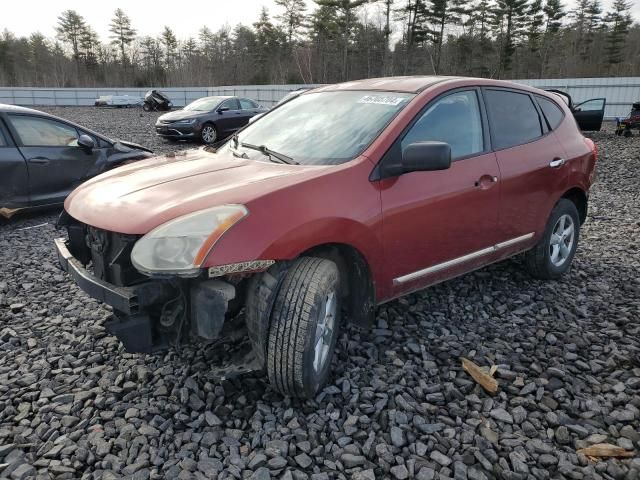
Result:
pixel 557 162
pixel 39 160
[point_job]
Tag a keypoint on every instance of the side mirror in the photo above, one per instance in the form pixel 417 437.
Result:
pixel 223 109
pixel 421 157
pixel 426 156
pixel 86 142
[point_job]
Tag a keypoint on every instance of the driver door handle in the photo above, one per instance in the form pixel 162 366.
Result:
pixel 39 160
pixel 557 162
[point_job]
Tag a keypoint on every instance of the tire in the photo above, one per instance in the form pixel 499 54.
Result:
pixel 553 254
pixel 208 134
pixel 309 290
pixel 146 107
pixel 628 133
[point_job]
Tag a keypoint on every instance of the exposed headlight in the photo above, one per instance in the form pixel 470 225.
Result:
pixel 180 246
pixel 186 121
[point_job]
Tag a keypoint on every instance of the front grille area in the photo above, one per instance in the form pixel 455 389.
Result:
pixel 108 254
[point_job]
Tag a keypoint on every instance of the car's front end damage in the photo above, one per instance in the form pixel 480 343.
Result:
pixel 155 311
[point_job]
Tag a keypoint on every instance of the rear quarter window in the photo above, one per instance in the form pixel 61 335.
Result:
pixel 513 117
pixel 551 111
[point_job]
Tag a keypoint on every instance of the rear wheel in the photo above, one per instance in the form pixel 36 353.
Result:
pixel 146 107
pixel 553 254
pixel 208 134
pixel 304 327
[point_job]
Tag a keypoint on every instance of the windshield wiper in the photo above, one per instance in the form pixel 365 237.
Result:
pixel 273 155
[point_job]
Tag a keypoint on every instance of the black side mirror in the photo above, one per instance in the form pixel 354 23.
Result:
pixel 421 157
pixel 223 109
pixel 86 142
pixel 426 156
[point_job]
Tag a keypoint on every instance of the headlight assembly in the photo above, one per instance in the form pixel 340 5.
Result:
pixel 180 246
pixel 186 121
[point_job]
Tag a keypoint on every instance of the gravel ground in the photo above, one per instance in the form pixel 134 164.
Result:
pixel 74 405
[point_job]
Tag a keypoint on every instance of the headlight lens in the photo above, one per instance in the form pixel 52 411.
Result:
pixel 187 121
pixel 180 246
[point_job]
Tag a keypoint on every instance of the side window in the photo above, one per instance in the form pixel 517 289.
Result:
pixel 513 117
pixel 3 142
pixel 454 119
pixel 246 104
pixel 231 104
pixel 551 111
pixel 42 132
pixel 591 105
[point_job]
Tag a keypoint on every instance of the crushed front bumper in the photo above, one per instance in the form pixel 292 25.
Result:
pixel 128 300
pixel 150 315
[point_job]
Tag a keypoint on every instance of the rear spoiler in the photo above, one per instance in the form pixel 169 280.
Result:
pixel 567 97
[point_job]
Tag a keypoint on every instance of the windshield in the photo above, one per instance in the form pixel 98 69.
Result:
pixel 205 104
pixel 321 128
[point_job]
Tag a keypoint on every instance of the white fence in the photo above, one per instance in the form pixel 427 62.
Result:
pixel 266 95
pixel 620 93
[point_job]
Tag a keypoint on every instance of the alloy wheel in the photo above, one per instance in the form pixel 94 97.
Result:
pixel 324 332
pixel 209 134
pixel 561 242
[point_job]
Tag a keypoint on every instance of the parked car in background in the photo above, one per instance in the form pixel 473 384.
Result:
pixel 117 101
pixel 43 157
pixel 589 114
pixel 208 119
pixel 339 200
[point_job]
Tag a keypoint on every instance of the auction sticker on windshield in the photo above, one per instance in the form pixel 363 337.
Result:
pixel 382 99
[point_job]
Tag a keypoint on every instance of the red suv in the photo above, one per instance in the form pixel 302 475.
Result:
pixel 341 199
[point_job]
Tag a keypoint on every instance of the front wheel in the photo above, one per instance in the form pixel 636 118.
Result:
pixel 553 254
pixel 146 107
pixel 208 135
pixel 304 327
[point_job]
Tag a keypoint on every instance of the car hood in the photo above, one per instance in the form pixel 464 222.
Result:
pixel 136 198
pixel 180 115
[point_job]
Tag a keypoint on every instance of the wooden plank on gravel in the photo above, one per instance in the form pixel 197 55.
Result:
pixel 605 450
pixel 485 380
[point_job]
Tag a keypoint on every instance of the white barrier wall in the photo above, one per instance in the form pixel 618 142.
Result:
pixel 266 95
pixel 620 93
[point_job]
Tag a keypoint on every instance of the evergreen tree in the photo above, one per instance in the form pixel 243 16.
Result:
pixel 170 43
pixel 346 17
pixel 70 29
pixel 292 18
pixel 618 21
pixel 510 20
pixel 123 33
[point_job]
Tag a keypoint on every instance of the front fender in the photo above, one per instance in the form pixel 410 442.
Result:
pixel 243 242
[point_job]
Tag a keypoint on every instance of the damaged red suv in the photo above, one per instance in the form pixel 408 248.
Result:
pixel 345 197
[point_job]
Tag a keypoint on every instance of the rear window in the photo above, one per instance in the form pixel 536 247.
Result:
pixel 513 117
pixel 551 111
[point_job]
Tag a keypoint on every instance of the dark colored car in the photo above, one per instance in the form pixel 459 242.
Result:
pixel 43 157
pixel 341 199
pixel 208 119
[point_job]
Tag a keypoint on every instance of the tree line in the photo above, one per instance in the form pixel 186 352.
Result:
pixel 338 40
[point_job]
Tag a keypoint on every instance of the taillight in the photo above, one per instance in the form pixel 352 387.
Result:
pixel 594 159
pixel 593 147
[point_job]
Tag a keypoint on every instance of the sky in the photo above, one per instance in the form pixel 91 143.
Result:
pixel 186 18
